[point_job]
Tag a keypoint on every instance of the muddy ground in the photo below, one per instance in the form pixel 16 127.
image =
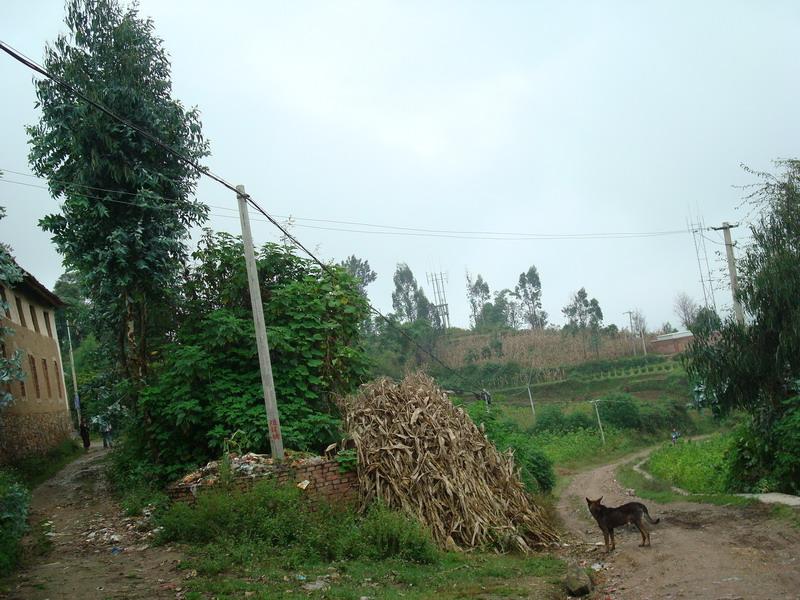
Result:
pixel 95 552
pixel 698 550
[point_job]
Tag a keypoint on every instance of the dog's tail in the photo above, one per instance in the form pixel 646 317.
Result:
pixel 649 519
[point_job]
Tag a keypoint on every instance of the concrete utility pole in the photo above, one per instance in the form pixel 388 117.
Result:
pixel 599 423
pixel 76 399
pixel 633 336
pixel 275 439
pixel 737 306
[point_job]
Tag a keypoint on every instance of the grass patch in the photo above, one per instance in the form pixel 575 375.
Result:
pixel 34 470
pixel 661 491
pixel 790 514
pixel 453 576
pixel 268 541
pixel 699 467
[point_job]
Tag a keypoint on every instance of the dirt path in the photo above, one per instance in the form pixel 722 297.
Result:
pixel 96 552
pixel 698 550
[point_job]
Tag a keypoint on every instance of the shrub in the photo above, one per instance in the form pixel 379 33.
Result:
pixel 767 463
pixel 620 410
pixel 14 500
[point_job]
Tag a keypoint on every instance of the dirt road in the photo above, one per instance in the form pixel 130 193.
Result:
pixel 698 550
pixel 96 552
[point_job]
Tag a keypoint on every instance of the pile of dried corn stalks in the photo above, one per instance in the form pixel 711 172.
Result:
pixel 419 453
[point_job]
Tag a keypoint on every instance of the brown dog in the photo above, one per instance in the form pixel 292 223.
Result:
pixel 609 518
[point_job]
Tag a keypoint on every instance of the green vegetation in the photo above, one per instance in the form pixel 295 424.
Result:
pixel 15 484
pixel 661 491
pixel 535 467
pixel 14 499
pixel 269 542
pixel 699 467
pixel 34 470
pixel 755 366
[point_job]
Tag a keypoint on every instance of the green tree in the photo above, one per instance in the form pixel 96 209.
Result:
pixel 478 295
pixel 529 292
pixel 10 366
pixel 207 384
pixel 77 311
pixel 360 270
pixel 408 299
pixel 126 204
pixel 755 366
pixel 584 316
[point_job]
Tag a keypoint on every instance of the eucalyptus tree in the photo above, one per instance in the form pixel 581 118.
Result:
pixel 126 204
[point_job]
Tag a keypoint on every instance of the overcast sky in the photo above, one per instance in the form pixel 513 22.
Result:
pixel 536 118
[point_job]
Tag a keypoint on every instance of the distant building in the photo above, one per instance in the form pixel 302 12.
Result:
pixel 38 418
pixel 671 343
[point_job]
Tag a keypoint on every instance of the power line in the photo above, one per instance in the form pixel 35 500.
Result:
pixel 208 173
pixel 395 229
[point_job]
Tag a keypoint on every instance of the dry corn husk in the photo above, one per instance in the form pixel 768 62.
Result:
pixel 419 453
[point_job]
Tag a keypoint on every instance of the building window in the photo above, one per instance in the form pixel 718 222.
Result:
pixel 46 374
pixel 34 320
pixel 35 376
pixel 47 323
pixel 5 302
pixel 22 391
pixel 21 313
pixel 59 379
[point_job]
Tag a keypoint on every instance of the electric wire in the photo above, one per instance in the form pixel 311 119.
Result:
pixel 395 229
pixel 204 171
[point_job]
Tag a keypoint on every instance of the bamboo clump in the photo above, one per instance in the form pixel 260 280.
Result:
pixel 419 453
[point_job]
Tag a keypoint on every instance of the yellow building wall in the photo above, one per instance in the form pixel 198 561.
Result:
pixel 38 418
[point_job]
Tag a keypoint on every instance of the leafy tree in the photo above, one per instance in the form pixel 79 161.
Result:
pixel 478 295
pixel 126 204
pixel 595 325
pixel 207 384
pixel 686 309
pixel 755 367
pixel 10 366
pixel 503 313
pixel 408 300
pixel 77 311
pixel 667 327
pixel 529 292
pixel 360 270
pixel 584 316
pixel 706 321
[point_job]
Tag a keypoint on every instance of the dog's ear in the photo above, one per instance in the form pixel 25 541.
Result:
pixel 589 502
pixel 600 499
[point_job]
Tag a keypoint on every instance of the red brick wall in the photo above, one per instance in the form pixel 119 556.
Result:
pixel 326 482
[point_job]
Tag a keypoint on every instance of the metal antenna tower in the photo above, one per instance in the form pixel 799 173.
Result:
pixel 437 281
pixel 708 265
pixel 694 228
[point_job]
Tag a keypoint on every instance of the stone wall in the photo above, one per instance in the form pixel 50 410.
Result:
pixel 22 435
pixel 325 482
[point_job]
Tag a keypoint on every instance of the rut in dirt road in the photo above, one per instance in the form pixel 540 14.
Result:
pixel 96 552
pixel 698 550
